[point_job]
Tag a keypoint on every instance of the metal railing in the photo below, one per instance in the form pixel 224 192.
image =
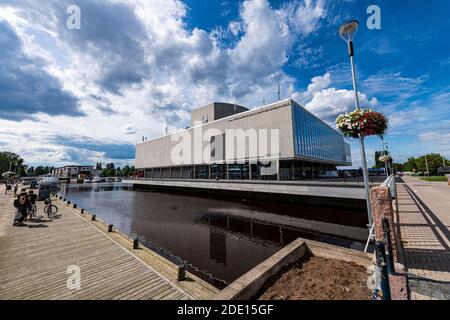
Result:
pixel 390 183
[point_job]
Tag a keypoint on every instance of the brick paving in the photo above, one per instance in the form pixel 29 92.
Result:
pixel 423 213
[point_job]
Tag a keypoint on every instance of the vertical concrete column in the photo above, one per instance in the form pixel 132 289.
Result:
pixel 170 173
pixel 293 169
pixel 181 172
pixel 278 169
pixel 209 171
pixel 250 170
pixel 382 208
pixel 193 171
pixel 228 175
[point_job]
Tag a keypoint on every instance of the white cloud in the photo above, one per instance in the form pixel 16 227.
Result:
pixel 326 103
pixel 135 64
pixel 307 15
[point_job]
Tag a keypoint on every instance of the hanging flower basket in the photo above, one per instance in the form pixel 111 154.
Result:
pixel 385 158
pixel 363 121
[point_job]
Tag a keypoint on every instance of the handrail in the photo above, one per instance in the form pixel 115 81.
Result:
pixel 390 183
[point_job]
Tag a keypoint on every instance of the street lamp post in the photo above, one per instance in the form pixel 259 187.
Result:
pixel 384 153
pixel 347 32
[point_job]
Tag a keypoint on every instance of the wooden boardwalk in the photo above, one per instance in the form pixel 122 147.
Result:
pixel 37 260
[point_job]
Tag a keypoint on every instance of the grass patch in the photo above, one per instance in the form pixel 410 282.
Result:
pixel 435 178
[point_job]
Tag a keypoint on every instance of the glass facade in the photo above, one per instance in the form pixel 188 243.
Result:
pixel 314 139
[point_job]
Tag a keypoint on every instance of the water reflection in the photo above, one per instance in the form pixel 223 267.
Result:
pixel 218 239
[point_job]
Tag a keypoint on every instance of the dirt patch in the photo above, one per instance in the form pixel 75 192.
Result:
pixel 316 278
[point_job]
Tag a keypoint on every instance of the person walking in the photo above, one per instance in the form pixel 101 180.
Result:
pixel 16 187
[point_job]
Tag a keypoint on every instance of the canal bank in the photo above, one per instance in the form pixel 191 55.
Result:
pixel 336 194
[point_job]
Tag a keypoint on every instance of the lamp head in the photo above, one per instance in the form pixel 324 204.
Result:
pixel 348 30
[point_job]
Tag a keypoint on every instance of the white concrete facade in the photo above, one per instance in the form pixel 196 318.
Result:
pixel 165 151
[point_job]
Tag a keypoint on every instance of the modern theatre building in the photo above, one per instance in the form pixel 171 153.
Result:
pixel 280 141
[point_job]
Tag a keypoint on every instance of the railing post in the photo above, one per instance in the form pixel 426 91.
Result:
pixel 181 272
pixel 381 262
pixel 388 243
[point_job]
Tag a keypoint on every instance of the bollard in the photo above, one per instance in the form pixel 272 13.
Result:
pixel 181 272
pixel 110 228
pixel 64 200
pixel 93 217
pixel 68 202
pixel 82 210
pixel 136 243
pixel 387 241
pixel 60 197
pixel 381 262
pixel 74 205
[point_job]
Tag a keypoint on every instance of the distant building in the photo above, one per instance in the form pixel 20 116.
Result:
pixel 73 172
pixel 306 146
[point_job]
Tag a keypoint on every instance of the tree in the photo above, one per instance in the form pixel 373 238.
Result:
pixel 30 171
pixel 98 166
pixel 127 171
pixel 410 165
pixel 434 161
pixel 109 171
pixel 11 161
pixel 398 167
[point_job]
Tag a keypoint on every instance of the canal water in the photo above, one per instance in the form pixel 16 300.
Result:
pixel 218 239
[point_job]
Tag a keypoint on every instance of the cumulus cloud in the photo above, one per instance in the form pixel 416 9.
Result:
pixel 137 62
pixel 326 103
pixel 129 129
pixel 26 89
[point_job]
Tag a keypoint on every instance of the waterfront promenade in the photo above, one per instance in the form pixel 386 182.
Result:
pixel 424 225
pixel 37 261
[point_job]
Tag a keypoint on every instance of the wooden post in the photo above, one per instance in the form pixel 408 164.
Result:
pixel 181 272
pixel 136 243
pixel 82 210
pixel 74 205
pixel 110 228
pixel 93 217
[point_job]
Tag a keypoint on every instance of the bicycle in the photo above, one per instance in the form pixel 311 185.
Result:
pixel 50 209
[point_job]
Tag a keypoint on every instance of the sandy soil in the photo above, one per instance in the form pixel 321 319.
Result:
pixel 316 278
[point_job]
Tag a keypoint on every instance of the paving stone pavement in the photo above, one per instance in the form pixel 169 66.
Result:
pixel 423 210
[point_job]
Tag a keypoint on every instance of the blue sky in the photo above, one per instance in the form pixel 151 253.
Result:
pixel 135 67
